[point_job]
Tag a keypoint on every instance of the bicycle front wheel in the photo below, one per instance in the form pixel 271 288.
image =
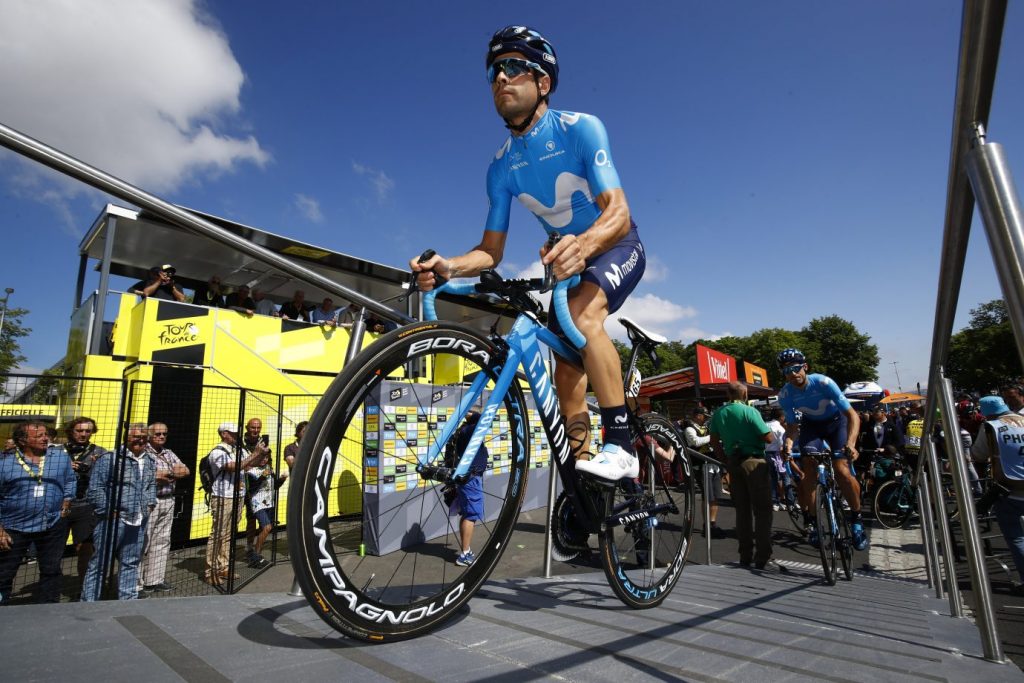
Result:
pixel 375 547
pixel 826 535
pixel 795 512
pixel 646 535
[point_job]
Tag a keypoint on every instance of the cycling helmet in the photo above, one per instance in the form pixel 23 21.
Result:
pixel 789 357
pixel 530 43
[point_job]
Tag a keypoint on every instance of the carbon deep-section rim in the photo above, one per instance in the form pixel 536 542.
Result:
pixel 643 560
pixel 372 544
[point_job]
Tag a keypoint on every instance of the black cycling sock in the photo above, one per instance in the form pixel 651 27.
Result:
pixel 808 518
pixel 616 427
pixel 856 517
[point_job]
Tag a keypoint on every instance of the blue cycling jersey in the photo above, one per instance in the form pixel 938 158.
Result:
pixel 819 400
pixel 556 171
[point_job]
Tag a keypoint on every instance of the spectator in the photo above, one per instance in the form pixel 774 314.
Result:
pixel 780 479
pixel 738 435
pixel 9 446
pixel 882 432
pixel 695 431
pixel 82 517
pixel 211 294
pixel 253 441
pixel 168 468
pixel 37 484
pixel 1013 396
pixel 469 494
pixel 260 484
pixel 912 439
pixel 296 308
pixel 291 451
pixel 159 284
pixel 1000 443
pixel 241 301
pixel 349 314
pixel 223 509
pixel 122 489
pixel 325 314
pixel 264 306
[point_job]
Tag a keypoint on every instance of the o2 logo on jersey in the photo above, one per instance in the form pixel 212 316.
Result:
pixel 601 158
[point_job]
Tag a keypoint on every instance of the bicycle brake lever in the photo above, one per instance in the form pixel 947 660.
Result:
pixel 424 257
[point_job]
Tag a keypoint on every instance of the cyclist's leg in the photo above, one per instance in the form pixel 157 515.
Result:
pixel 847 483
pixel 571 387
pixel 589 308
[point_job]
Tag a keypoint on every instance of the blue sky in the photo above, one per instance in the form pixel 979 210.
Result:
pixel 784 161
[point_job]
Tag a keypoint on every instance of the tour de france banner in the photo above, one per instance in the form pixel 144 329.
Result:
pixel 714 367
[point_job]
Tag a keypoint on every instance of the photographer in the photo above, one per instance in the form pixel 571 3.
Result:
pixel 257 446
pixel 1001 435
pixel 160 284
pixel 260 483
pixel 81 517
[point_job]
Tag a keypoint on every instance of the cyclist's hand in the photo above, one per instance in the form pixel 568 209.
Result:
pixel 566 257
pixel 425 280
pixel 851 453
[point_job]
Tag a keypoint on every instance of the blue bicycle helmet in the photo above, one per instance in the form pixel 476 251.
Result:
pixel 530 43
pixel 789 357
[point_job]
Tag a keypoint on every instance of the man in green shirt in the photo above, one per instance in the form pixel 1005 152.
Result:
pixel 738 436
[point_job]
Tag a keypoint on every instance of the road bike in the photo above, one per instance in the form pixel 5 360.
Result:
pixel 895 501
pixel 386 570
pixel 835 542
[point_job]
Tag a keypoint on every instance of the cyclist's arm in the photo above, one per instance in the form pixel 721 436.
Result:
pixel 852 430
pixel 487 254
pixel 570 254
pixel 792 430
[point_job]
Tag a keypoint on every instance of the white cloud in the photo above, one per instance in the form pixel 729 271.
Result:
pixel 137 88
pixel 691 334
pixel 656 270
pixel 382 184
pixel 309 207
pixel 650 312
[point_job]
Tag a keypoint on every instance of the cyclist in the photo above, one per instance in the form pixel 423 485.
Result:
pixel 559 165
pixel 826 415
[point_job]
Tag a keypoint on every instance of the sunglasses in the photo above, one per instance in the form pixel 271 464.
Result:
pixel 511 67
pixel 792 369
pixel 159 433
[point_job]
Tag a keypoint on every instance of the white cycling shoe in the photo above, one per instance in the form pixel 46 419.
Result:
pixel 612 463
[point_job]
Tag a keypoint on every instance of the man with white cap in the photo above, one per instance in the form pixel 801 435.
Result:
pixel 160 284
pixel 225 502
pixel 1003 436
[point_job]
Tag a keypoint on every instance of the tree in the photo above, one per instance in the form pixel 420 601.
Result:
pixel 984 354
pixel 669 354
pixel 763 347
pixel 10 349
pixel 836 348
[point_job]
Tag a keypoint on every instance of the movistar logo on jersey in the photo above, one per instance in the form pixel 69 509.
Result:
pixel 615 275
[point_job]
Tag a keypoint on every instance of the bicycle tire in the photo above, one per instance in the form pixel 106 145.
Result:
pixel 390 594
pixel 826 535
pixel 642 563
pixel 845 543
pixel 893 507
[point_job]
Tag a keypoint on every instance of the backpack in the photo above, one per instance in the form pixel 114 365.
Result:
pixel 206 476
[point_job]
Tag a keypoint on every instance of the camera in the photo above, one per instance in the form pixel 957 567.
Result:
pixel 265 439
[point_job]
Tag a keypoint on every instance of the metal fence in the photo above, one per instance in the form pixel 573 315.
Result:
pixel 191 543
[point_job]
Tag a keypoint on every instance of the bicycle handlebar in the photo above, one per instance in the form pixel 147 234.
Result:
pixel 560 304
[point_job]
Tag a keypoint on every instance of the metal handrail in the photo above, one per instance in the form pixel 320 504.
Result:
pixel 90 175
pixel 974 170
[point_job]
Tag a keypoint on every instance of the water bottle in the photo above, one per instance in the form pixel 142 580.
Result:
pixel 821 474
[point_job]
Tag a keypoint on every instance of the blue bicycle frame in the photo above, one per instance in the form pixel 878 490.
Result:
pixel 523 348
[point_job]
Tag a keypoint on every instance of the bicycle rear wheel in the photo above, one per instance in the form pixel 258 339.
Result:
pixel 893 504
pixel 826 535
pixel 643 555
pixel 373 545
